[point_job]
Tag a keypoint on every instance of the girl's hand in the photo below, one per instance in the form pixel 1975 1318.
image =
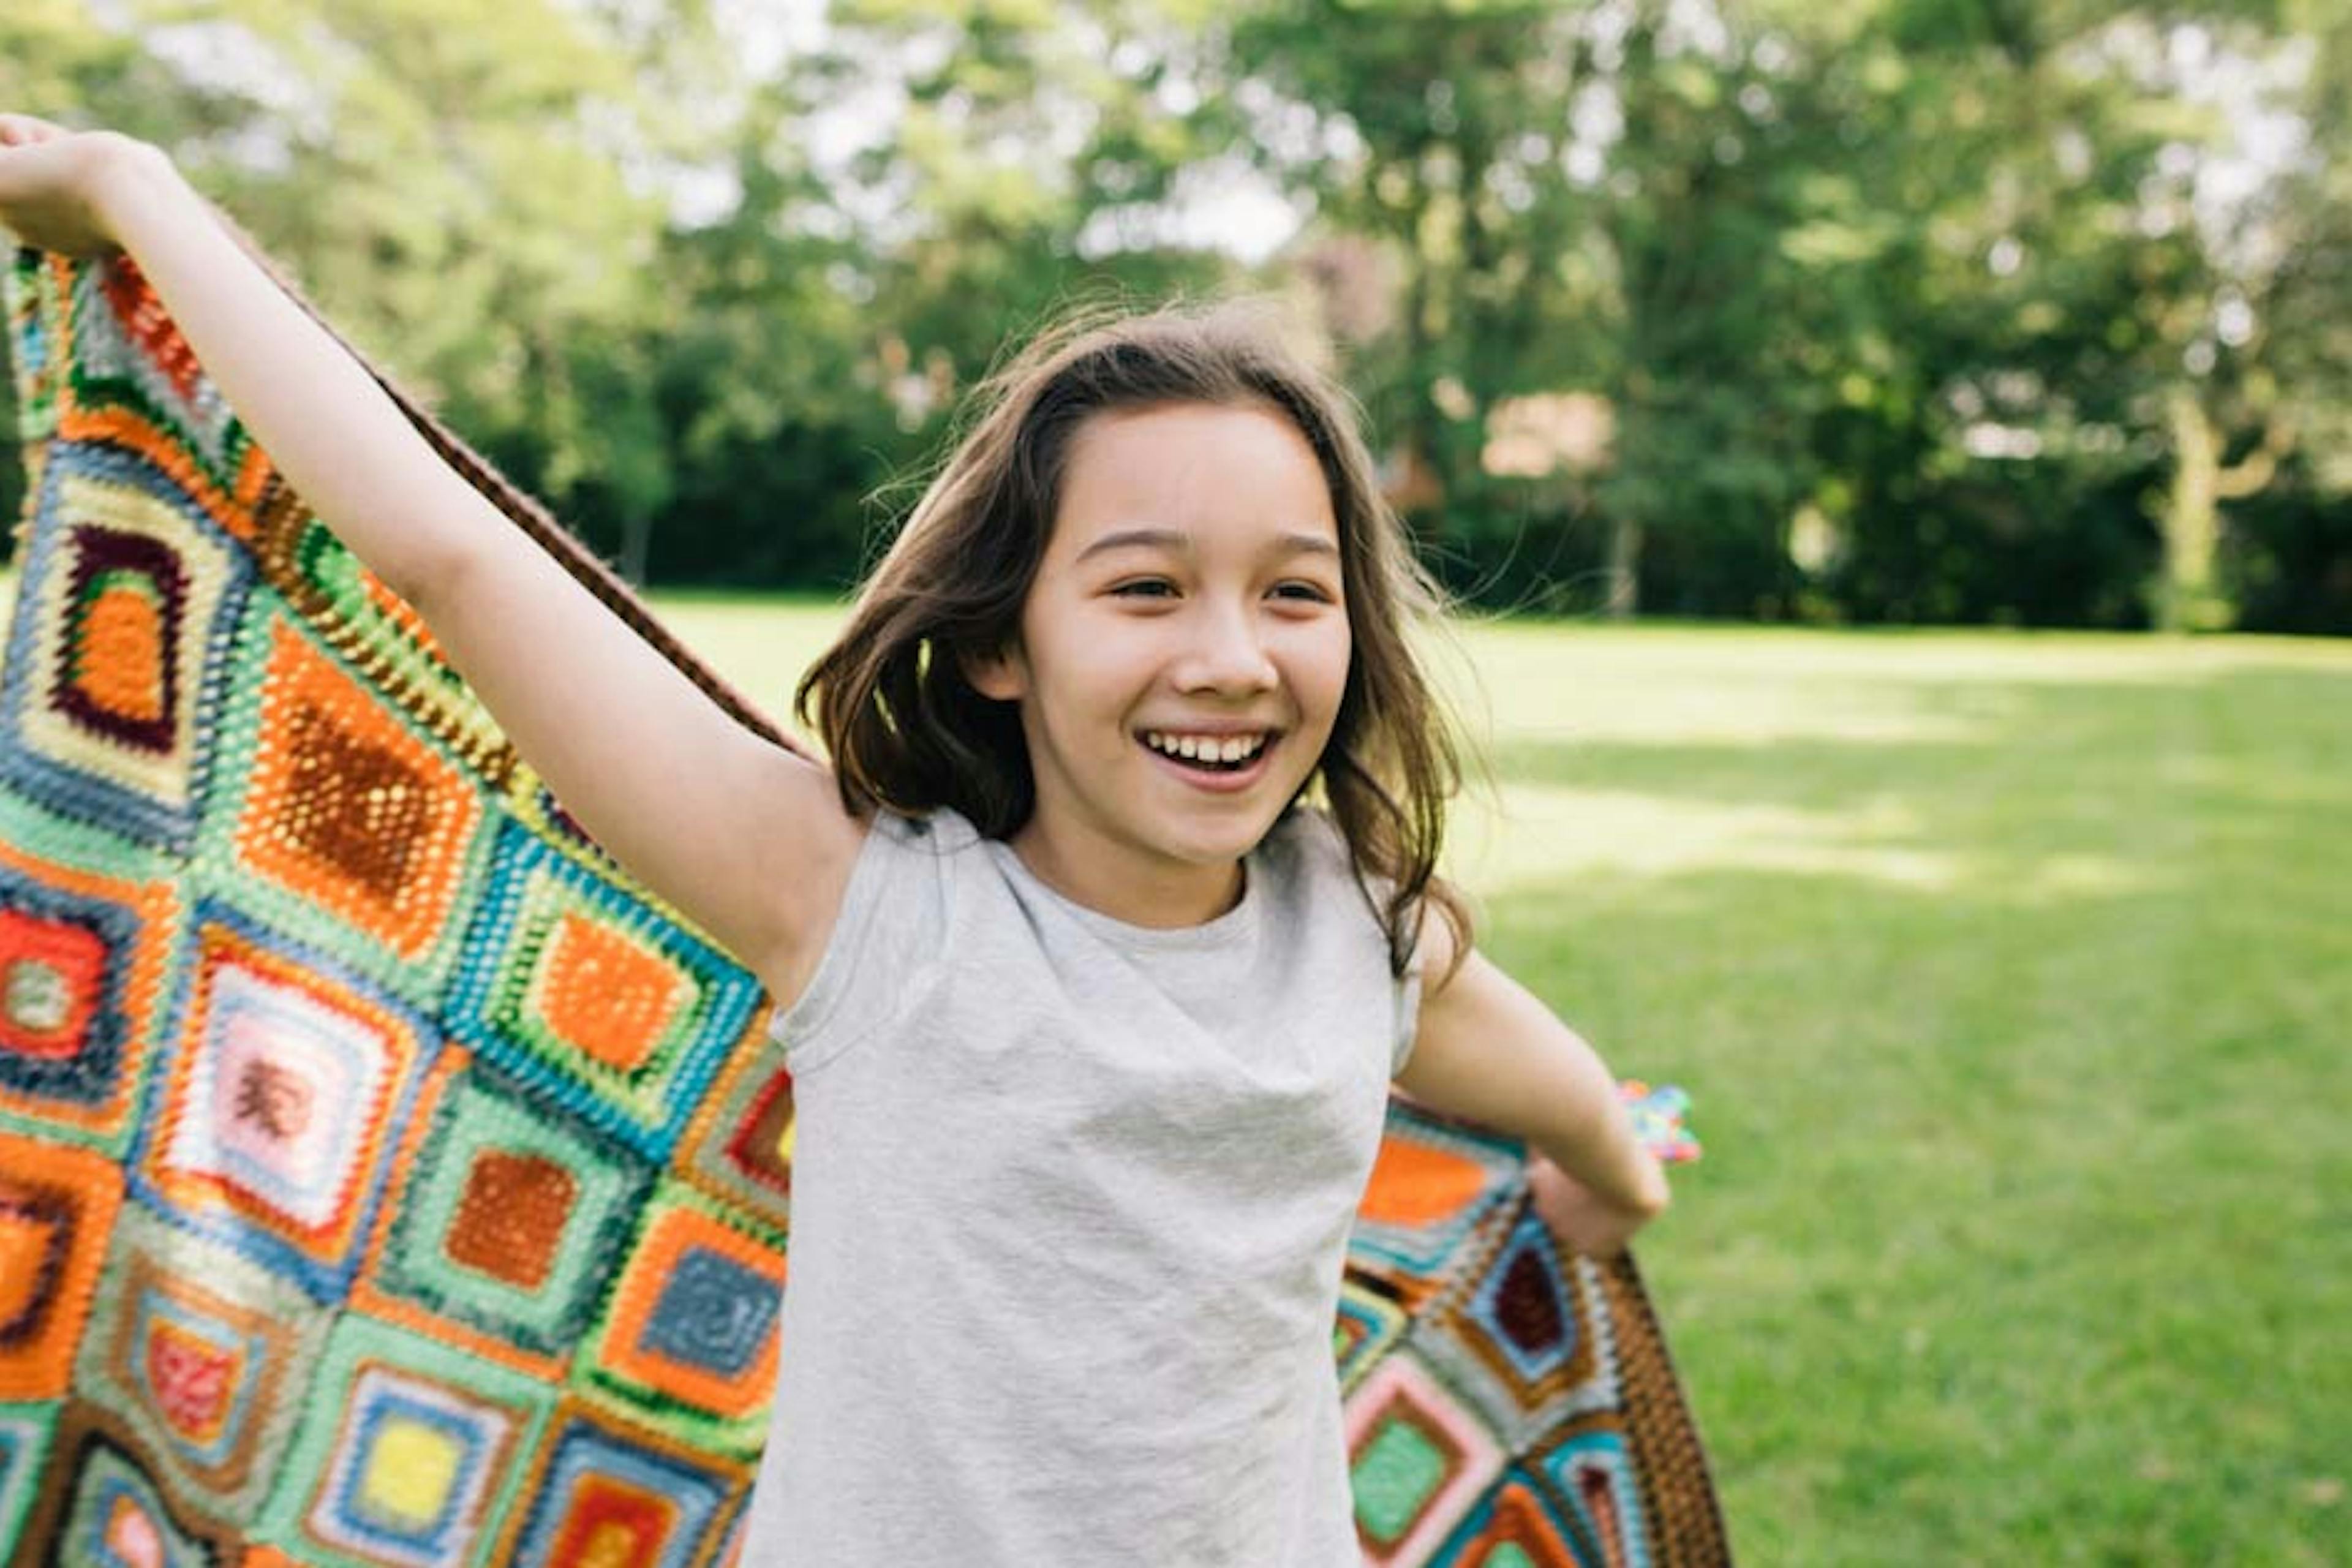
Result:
pixel 1582 1220
pixel 53 182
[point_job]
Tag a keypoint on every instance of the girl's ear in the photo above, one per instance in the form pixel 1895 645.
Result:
pixel 1002 675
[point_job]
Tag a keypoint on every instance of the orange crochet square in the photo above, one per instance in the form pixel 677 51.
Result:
pixel 51 975
pixel 614 998
pixel 695 1314
pixel 348 809
pixel 1414 1184
pixel 122 655
pixel 56 1209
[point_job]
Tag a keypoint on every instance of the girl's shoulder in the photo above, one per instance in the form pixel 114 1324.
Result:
pixel 942 830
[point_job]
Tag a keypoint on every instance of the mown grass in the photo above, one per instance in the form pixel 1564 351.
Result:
pixel 2012 977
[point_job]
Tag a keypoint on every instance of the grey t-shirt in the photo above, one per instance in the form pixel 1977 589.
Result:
pixel 1070 1203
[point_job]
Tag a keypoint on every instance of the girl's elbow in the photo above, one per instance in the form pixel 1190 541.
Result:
pixel 434 571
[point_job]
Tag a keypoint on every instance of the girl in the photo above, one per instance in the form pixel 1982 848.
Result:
pixel 1092 1016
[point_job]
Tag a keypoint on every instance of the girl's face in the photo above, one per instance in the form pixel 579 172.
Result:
pixel 1189 596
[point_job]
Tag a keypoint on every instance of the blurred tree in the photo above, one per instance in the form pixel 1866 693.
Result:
pixel 454 186
pixel 1033 149
pixel 1984 434
pixel 451 185
pixel 1933 310
pixel 972 154
pixel 1599 198
pixel 2264 348
pixel 1436 133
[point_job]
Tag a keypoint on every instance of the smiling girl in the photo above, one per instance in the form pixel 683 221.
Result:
pixel 1096 947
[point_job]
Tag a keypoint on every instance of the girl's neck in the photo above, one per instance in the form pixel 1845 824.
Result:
pixel 1167 895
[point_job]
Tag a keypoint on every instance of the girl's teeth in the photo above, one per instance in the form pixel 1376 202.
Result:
pixel 1198 749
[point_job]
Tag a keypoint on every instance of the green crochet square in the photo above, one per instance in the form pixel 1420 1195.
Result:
pixel 513 1219
pixel 408 1454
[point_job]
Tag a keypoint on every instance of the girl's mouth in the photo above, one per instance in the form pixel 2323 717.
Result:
pixel 1210 767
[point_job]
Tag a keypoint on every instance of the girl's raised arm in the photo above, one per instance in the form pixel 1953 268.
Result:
pixel 748 839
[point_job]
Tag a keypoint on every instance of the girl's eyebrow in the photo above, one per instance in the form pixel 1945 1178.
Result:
pixel 1172 538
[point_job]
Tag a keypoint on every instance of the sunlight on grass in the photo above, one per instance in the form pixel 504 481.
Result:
pixel 1543 832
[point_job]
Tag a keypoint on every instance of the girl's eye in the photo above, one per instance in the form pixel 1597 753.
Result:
pixel 1159 587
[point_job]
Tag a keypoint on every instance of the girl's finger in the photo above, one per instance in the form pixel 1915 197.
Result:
pixel 24 129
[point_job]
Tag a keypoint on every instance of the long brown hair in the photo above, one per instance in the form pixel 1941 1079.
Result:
pixel 906 730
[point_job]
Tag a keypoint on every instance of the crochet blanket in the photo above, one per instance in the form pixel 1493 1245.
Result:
pixel 387 1180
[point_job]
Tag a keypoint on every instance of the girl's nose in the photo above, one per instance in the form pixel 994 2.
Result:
pixel 1226 654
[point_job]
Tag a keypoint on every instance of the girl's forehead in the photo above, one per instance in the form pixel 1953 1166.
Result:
pixel 1192 477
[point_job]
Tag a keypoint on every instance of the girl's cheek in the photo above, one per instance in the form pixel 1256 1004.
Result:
pixel 1331 655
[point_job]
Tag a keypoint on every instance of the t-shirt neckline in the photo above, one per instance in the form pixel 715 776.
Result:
pixel 1236 927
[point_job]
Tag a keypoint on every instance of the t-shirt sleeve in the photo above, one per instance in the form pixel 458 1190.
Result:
pixel 1407 1008
pixel 885 948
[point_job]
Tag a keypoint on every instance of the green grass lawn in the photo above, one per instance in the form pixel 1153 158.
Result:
pixel 2012 977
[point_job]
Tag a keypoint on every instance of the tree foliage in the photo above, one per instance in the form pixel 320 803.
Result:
pixel 1906 309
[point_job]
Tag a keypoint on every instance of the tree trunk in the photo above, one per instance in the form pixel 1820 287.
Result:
pixel 2185 597
pixel 1624 568
pixel 637 536
pixel 2188 598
